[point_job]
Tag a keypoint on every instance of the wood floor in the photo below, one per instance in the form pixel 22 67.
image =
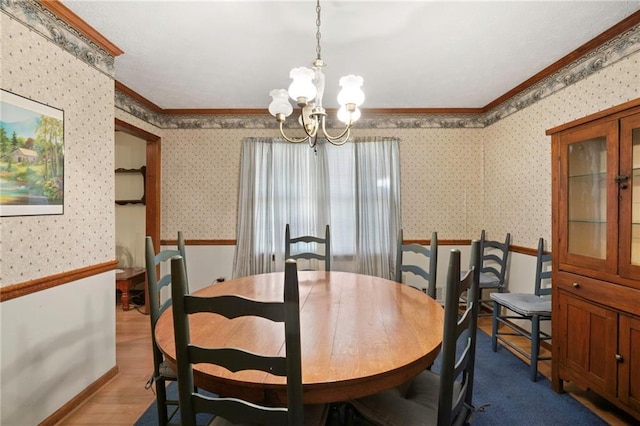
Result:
pixel 124 398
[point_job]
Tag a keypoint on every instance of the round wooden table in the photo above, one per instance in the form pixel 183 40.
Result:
pixel 359 334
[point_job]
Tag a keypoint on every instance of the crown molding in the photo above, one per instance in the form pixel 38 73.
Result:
pixel 78 23
pixel 568 71
pixel 60 25
pixel 44 21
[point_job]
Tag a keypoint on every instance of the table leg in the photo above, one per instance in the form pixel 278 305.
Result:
pixel 123 286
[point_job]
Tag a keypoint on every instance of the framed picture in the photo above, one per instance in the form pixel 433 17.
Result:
pixel 31 157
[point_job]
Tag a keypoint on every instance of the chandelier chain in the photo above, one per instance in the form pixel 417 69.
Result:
pixel 318 35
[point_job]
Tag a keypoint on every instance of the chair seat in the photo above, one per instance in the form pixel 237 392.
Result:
pixel 524 304
pixel 314 415
pixel 166 371
pixel 488 281
pixel 412 404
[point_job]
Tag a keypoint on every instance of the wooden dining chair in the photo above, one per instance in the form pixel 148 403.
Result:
pixel 428 256
pixel 234 410
pixel 162 373
pixel 534 308
pixel 443 398
pixel 494 256
pixel 307 242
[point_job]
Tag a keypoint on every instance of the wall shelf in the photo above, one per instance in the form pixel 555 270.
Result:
pixel 143 171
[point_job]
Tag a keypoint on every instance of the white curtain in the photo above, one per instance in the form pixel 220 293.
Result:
pixel 353 188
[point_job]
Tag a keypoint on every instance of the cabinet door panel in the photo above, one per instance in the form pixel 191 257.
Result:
pixel 587 197
pixel 591 342
pixel 629 183
pixel 629 370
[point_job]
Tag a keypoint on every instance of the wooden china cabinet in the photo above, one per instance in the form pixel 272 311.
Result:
pixel 596 254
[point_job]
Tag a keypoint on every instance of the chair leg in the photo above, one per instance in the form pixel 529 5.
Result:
pixel 535 347
pixel 494 333
pixel 161 402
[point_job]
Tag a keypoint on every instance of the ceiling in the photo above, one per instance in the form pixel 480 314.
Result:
pixel 412 54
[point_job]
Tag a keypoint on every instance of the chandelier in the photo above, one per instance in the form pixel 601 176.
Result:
pixel 307 89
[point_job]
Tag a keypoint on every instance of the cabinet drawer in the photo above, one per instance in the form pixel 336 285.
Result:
pixel 615 296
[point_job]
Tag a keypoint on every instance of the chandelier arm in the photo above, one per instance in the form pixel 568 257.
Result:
pixel 335 140
pixel 304 126
pixel 292 140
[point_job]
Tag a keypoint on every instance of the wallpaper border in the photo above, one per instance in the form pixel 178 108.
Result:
pixel 37 17
pixel 46 23
pixel 605 55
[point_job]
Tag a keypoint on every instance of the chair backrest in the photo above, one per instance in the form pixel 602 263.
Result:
pixel 235 359
pixel 543 271
pixel 454 406
pixel 431 255
pixel 494 256
pixel 309 241
pixel 153 263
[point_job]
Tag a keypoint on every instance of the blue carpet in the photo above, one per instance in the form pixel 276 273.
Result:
pixel 503 395
pixel 150 416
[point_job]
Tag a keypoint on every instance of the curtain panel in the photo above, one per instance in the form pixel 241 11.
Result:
pixel 355 188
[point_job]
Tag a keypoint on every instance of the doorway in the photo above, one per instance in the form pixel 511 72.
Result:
pixel 151 178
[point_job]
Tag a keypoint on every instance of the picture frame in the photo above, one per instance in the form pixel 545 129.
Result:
pixel 31 157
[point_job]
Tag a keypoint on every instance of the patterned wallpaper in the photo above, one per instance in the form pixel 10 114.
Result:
pixel 38 246
pixel 518 153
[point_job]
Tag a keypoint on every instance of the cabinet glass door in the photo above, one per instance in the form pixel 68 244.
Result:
pixel 587 198
pixel 628 182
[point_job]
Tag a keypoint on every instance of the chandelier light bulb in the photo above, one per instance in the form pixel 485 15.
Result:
pixel 302 87
pixel 280 103
pixel 348 117
pixel 351 92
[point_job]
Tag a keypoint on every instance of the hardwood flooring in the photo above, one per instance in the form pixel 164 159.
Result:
pixel 124 398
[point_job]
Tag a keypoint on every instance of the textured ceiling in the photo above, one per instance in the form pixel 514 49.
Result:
pixel 411 54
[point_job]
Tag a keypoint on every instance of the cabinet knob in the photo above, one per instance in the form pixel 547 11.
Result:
pixel 619 358
pixel 576 285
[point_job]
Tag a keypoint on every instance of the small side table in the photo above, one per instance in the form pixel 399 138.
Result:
pixel 126 280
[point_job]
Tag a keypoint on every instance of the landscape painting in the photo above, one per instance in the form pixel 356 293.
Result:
pixel 31 157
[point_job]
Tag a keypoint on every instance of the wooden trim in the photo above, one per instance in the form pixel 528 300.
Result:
pixel 621 109
pixel 67 408
pixel 144 101
pixel 216 111
pixel 594 43
pixel 440 242
pixel 122 126
pixel 200 242
pixel 64 13
pixel 423 110
pixel 33 286
pixel 523 250
pixel 426 242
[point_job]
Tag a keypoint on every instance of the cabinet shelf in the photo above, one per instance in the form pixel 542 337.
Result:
pixel 143 171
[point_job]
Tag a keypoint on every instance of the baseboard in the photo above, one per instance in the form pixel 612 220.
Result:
pixel 67 408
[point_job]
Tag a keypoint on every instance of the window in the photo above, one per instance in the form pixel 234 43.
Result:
pixel 354 188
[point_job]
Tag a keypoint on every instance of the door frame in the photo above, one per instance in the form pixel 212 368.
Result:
pixel 152 179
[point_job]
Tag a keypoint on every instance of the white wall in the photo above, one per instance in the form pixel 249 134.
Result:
pixel 55 343
pixel 204 265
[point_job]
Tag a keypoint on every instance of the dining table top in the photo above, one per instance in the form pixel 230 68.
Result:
pixel 360 335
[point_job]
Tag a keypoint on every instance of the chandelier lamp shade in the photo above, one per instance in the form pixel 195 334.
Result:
pixel 306 90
